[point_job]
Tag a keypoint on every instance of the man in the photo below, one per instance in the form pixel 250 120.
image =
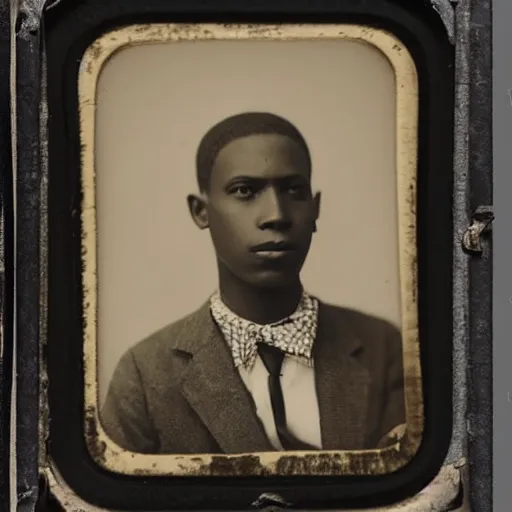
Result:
pixel 262 365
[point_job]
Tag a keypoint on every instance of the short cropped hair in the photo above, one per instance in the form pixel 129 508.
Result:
pixel 236 127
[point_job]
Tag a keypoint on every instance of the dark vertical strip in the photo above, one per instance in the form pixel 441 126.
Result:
pixel 480 277
pixel 5 255
pixel 5 260
pixel 28 222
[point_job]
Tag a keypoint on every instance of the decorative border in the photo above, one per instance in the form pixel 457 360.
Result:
pixel 374 462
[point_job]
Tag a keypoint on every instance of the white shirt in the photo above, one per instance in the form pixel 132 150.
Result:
pixel 294 335
pixel 300 400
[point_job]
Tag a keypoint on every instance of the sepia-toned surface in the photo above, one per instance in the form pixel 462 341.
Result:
pixel 369 462
pixel 154 104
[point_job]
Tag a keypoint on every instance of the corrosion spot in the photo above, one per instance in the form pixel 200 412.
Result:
pixel 96 447
pixel 237 466
pixel 95 49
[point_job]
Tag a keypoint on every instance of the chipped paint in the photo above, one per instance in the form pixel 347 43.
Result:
pixel 102 449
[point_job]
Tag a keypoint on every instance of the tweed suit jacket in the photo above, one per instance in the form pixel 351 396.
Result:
pixel 178 391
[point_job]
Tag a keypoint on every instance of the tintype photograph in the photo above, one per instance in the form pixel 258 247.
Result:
pixel 249 247
pixel 241 271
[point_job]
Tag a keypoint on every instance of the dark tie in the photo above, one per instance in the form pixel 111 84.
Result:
pixel 272 358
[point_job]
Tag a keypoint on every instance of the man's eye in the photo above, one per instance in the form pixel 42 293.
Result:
pixel 296 190
pixel 242 191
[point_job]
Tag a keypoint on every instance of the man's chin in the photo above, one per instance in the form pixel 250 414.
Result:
pixel 273 279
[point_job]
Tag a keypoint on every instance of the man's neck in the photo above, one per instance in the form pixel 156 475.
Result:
pixel 261 306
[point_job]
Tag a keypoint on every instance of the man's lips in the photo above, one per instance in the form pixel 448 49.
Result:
pixel 273 247
pixel 270 251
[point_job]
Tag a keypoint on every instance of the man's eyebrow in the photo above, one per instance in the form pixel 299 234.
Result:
pixel 260 179
pixel 240 177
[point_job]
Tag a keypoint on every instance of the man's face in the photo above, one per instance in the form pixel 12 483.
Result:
pixel 260 209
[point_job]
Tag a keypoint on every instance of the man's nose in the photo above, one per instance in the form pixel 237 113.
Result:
pixel 274 213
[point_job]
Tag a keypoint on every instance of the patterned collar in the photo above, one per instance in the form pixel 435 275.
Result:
pixel 294 335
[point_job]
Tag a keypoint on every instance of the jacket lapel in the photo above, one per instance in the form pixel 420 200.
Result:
pixel 342 383
pixel 215 390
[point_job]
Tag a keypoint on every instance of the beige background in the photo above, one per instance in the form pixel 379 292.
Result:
pixel 154 104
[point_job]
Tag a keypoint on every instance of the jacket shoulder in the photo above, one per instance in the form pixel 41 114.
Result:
pixel 357 318
pixel 380 342
pixel 160 349
pixel 375 333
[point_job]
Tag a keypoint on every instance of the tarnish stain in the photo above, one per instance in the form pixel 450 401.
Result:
pixel 96 446
pixel 244 465
pixel 95 51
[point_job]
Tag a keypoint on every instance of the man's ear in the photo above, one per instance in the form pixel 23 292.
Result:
pixel 316 201
pixel 197 206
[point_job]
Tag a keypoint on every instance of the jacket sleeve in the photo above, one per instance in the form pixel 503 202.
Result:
pixel 124 416
pixel 393 423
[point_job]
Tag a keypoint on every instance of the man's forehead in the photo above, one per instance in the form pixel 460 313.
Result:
pixel 260 155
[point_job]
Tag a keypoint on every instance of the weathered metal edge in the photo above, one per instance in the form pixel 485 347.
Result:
pixel 5 293
pixel 479 366
pixel 25 438
pixel 440 495
pixel 43 424
pixel 445 11
pixel 460 223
